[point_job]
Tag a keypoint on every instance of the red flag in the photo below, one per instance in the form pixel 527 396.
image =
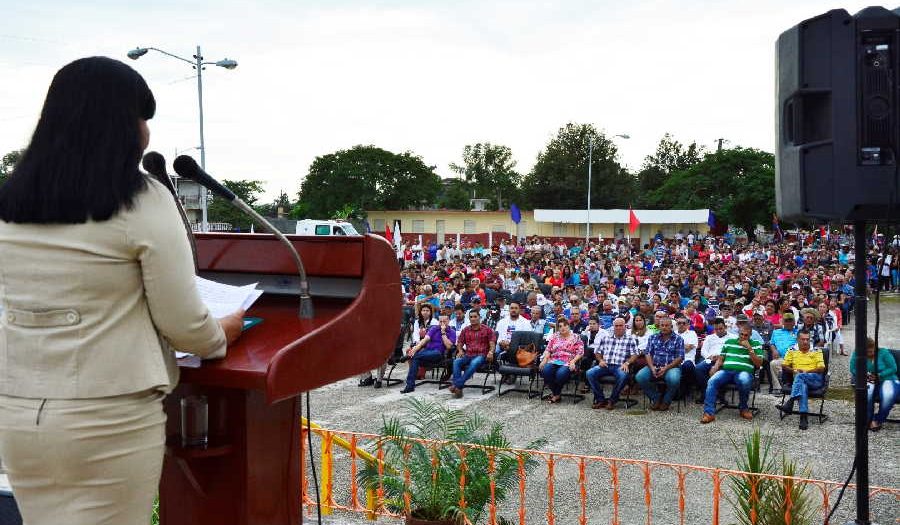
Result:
pixel 822 232
pixel 388 235
pixel 633 221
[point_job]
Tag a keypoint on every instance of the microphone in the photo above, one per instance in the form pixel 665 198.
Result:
pixel 187 167
pixel 155 164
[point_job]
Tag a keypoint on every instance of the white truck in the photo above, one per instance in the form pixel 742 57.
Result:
pixel 319 227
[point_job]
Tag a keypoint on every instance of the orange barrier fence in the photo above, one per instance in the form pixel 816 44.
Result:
pixel 571 488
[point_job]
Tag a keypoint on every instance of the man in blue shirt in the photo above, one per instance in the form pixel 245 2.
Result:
pixel 781 341
pixel 665 353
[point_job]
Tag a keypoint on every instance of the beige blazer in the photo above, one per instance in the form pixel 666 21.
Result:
pixel 90 309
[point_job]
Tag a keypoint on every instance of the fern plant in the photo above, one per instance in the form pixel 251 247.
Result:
pixel 766 503
pixel 433 487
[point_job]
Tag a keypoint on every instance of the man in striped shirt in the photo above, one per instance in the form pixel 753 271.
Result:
pixel 614 353
pixel 739 358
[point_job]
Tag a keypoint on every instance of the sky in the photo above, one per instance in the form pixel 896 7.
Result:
pixel 423 76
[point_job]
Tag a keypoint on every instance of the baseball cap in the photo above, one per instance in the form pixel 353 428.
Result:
pixel 787 315
pixel 742 318
pixel 759 311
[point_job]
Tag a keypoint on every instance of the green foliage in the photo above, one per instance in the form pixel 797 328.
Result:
pixel 559 177
pixel 765 500
pixel 670 156
pixel 219 210
pixel 367 178
pixel 737 184
pixel 490 170
pixel 271 209
pixel 455 195
pixel 8 163
pixel 435 471
pixel 347 213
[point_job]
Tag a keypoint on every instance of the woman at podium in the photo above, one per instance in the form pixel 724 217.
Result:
pixel 96 283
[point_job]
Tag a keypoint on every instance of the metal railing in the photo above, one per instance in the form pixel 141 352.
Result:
pixel 583 489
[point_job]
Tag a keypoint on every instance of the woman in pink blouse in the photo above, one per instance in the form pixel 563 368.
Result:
pixel 560 359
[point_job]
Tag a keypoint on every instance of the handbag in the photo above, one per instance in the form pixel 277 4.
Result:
pixel 526 356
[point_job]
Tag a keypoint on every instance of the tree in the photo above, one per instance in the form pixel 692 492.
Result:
pixel 219 210
pixel 489 169
pixel 8 164
pixel 271 209
pixel 559 177
pixel 737 184
pixel 455 195
pixel 670 156
pixel 366 178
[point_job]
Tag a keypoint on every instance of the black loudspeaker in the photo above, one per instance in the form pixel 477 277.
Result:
pixel 838 112
pixel 9 511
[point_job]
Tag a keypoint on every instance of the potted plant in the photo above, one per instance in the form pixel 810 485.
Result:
pixel 433 487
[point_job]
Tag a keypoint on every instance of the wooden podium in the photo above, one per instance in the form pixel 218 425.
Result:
pixel 250 472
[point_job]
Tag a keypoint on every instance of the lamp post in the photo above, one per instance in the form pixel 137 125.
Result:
pixel 587 229
pixel 197 63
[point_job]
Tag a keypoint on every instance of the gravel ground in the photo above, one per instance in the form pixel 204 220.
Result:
pixel 826 449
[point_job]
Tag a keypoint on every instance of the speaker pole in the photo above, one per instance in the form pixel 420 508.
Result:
pixel 862 423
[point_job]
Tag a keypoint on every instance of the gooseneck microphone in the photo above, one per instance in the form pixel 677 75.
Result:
pixel 155 164
pixel 187 167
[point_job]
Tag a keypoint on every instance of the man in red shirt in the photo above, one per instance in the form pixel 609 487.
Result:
pixel 474 346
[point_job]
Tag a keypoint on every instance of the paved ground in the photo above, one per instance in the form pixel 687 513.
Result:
pixel 672 437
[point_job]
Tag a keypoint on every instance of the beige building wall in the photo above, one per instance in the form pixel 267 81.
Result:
pixel 451 222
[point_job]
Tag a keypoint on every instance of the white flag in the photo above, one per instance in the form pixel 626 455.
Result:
pixel 398 242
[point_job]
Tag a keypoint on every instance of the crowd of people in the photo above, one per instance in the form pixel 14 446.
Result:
pixel 679 317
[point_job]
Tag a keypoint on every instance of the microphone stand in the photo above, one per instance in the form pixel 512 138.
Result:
pixel 306 304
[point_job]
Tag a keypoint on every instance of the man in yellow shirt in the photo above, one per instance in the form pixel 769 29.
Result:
pixel 808 367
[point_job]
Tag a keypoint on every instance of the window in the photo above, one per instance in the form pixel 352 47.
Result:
pixel 498 228
pixel 378 226
pixel 559 229
pixel 418 226
pixel 323 229
pixel 337 230
pixel 469 226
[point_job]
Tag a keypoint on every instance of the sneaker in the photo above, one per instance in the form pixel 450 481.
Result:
pixel 610 405
pixel 458 394
pixel 369 381
pixel 598 405
pixel 746 414
pixel 378 383
pixel 407 390
pixel 707 418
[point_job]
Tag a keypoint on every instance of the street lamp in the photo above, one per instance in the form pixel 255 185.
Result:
pixel 197 63
pixel 587 229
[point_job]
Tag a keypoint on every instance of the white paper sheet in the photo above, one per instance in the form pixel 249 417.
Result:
pixel 223 300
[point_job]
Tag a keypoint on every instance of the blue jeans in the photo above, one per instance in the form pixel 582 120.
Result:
pixel 555 377
pixel 471 364
pixel 701 374
pixel 422 357
pixel 593 379
pixel 743 380
pixel 888 391
pixel 802 383
pixel 672 379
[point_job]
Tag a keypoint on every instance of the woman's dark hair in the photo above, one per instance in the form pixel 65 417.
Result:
pixel 82 162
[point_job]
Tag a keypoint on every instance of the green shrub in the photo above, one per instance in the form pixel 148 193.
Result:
pixel 434 471
pixel 769 503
